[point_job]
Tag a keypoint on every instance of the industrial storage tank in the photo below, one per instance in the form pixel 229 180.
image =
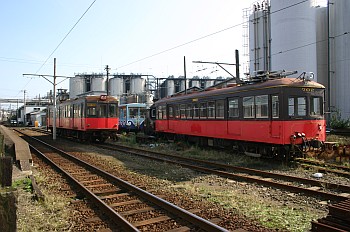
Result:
pixel 77 85
pixel 98 83
pixel 116 86
pixel 170 86
pixel 259 37
pixel 322 48
pixel 208 83
pixel 183 84
pixel 195 82
pixel 340 59
pixel 293 36
pixel 137 85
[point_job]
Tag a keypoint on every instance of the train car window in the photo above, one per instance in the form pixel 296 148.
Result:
pixel 133 112
pixel 171 111
pixel 297 106
pixel 233 110
pixel 220 110
pixel 143 112
pixel 275 106
pixel 112 110
pixel 160 112
pixel 176 111
pixel 248 107
pixel 203 110
pixel 291 106
pixel 164 112
pixel 315 106
pixel 189 111
pixel 153 112
pixel 82 111
pixel 301 106
pixel 211 109
pixel 183 111
pixel 103 110
pixel 91 110
pixel 196 111
pixel 262 106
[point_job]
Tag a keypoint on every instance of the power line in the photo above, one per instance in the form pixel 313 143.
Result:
pixel 303 46
pixel 17 60
pixel 66 35
pixel 61 41
pixel 206 36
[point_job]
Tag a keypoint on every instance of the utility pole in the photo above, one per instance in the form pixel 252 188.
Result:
pixel 17 114
pixel 24 107
pixel 107 69
pixel 46 77
pixel 54 101
pixel 185 75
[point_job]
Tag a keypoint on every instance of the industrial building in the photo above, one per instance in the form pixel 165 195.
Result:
pixel 134 88
pixel 304 36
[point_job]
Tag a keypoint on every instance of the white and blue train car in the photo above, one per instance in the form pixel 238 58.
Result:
pixel 132 116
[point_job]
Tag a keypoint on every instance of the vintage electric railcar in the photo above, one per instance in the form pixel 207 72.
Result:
pixel 132 116
pixel 90 118
pixel 281 116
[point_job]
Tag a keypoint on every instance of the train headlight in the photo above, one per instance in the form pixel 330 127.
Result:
pixel 319 127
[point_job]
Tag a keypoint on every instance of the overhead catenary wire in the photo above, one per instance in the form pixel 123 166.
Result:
pixel 206 36
pixel 166 50
pixel 66 35
pixel 60 43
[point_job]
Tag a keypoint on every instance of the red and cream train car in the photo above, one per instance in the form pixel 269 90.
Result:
pixel 91 118
pixel 281 116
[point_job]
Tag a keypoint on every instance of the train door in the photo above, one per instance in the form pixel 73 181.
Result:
pixel 59 116
pixel 170 116
pixel 74 109
pixel 275 121
pixel 103 116
pixel 82 116
pixel 234 125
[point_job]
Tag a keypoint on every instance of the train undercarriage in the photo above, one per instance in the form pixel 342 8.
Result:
pixel 254 149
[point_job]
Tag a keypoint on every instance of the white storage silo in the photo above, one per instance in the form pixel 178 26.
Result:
pixel 259 38
pixel 340 61
pixel 208 83
pixel 170 86
pixel 293 36
pixel 184 84
pixel 137 85
pixel 322 45
pixel 98 83
pixel 116 86
pixel 77 86
pixel 195 82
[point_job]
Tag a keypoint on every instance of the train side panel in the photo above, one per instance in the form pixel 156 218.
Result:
pixel 275 132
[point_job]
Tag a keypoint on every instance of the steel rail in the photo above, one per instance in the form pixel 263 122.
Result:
pixel 188 216
pixel 95 199
pixel 290 188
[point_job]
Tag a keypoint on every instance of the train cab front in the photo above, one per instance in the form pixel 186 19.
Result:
pixel 309 139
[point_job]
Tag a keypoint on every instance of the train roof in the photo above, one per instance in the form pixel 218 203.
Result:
pixel 272 83
pixel 92 98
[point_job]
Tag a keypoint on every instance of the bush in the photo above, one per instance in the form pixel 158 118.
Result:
pixel 337 122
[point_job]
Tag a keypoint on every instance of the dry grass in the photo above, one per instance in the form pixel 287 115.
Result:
pixel 48 215
pixel 269 213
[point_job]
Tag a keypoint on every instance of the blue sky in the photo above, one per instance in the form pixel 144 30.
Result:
pixel 115 33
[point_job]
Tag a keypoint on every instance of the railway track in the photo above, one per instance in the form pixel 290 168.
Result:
pixel 290 183
pixel 130 207
pixel 324 167
pixel 338 219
